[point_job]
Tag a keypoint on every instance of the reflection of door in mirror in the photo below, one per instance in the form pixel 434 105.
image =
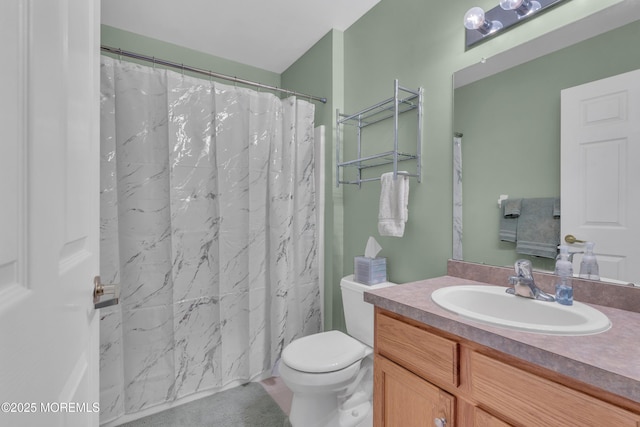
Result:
pixel 600 151
pixel 511 127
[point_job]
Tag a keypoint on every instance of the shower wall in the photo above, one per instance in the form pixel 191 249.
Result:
pixel 208 222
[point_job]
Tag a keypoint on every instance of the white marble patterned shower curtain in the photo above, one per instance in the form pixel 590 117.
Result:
pixel 208 222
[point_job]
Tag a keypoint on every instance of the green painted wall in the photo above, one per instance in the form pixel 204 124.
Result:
pixel 321 72
pixel 421 43
pixel 511 127
pixel 126 40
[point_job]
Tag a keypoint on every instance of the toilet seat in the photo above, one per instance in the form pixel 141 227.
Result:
pixel 324 352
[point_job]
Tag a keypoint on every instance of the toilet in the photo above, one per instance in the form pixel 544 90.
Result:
pixel 331 373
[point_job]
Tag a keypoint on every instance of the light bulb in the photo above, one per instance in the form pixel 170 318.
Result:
pixel 510 4
pixel 474 19
pixel 521 7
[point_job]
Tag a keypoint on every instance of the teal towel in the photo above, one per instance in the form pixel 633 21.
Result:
pixel 556 207
pixel 508 225
pixel 538 231
pixel 512 208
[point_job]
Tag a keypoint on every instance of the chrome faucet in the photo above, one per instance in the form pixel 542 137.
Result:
pixel 524 285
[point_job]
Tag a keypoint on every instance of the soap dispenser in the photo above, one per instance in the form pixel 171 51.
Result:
pixel 589 265
pixel 564 271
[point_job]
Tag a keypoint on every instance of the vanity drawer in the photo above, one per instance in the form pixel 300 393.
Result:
pixel 432 357
pixel 483 419
pixel 532 400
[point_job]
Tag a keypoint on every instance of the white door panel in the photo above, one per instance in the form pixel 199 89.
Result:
pixel 12 226
pixel 49 217
pixel 600 148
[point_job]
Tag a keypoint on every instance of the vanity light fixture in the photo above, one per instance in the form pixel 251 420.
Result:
pixel 481 25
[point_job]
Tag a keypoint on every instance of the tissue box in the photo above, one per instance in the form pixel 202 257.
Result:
pixel 369 271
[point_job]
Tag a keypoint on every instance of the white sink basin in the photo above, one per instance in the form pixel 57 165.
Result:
pixel 492 305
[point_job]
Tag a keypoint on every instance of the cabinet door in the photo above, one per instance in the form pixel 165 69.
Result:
pixel 484 419
pixel 404 399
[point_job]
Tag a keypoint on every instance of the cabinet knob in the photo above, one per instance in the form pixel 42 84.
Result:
pixel 440 422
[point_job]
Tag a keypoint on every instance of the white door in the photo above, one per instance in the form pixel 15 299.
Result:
pixel 600 171
pixel 49 208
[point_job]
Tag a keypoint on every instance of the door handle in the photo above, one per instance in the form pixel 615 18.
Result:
pixel 571 239
pixel 112 292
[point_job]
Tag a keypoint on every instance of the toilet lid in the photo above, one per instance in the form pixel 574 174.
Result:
pixel 324 352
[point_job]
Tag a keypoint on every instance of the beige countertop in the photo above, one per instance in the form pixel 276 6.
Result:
pixel 609 360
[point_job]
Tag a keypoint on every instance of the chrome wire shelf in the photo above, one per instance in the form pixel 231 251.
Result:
pixel 379 112
pixel 380 159
pixel 403 101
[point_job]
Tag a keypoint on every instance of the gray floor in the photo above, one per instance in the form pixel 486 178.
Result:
pixel 244 406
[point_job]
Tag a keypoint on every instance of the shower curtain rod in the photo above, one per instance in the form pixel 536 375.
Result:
pixel 183 67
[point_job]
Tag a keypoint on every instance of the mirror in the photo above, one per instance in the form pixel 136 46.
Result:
pixel 508 110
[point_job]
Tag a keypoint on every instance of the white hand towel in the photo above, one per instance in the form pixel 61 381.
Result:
pixel 394 199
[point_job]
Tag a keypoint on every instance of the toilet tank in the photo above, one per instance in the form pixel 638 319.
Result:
pixel 358 314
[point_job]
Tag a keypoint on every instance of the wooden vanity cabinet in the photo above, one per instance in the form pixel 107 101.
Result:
pixel 407 399
pixel 427 377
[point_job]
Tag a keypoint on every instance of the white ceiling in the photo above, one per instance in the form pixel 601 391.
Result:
pixel 268 34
